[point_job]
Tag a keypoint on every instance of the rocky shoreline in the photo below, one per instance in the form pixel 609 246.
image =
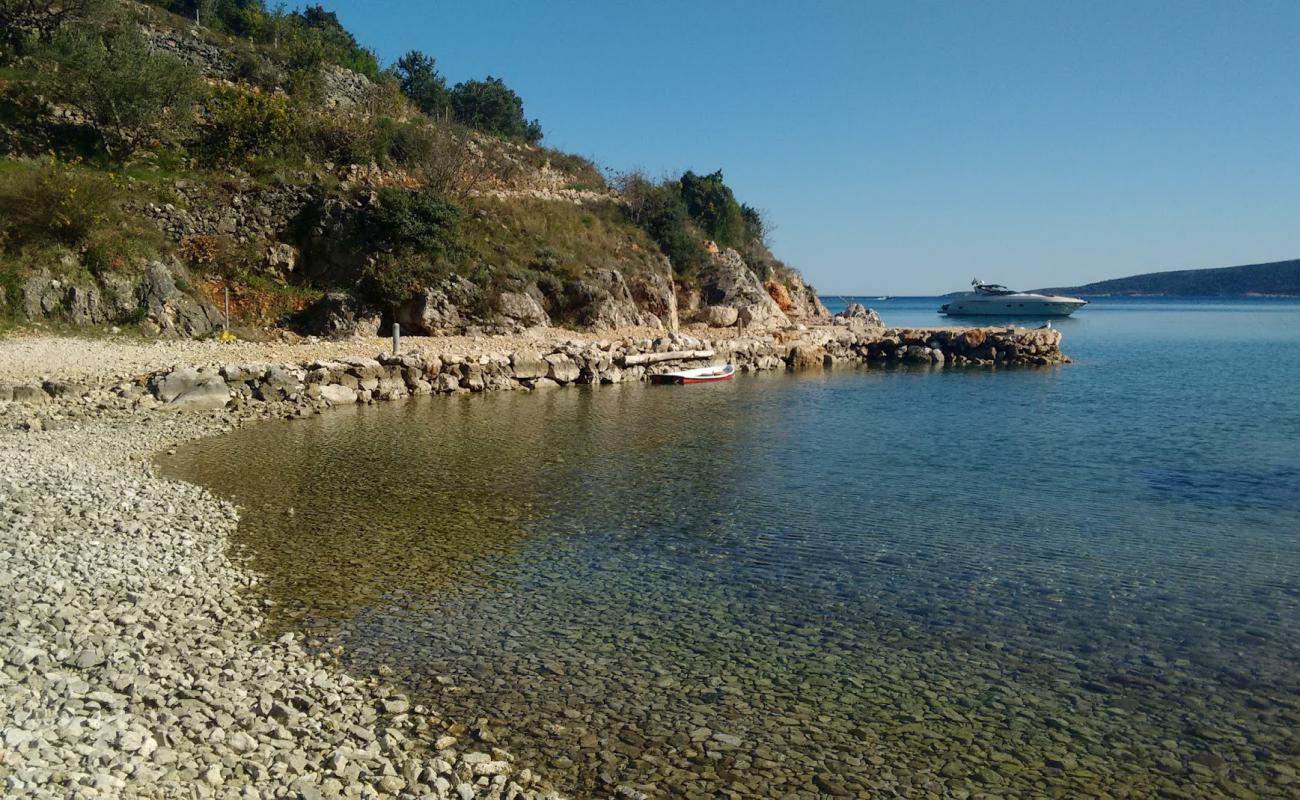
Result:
pixel 133 662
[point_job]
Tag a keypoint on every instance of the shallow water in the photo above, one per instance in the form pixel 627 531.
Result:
pixel 1070 580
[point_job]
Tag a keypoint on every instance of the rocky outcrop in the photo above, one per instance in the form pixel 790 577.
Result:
pixel 727 281
pixel 804 304
pixel 521 309
pixel 602 299
pixel 337 315
pixel 151 298
pixel 858 316
pixel 654 293
pixel 207 59
pixel 446 307
pixel 174 312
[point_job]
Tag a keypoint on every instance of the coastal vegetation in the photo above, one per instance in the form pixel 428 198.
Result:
pixel 265 149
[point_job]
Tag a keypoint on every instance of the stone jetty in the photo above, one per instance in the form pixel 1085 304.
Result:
pixel 320 383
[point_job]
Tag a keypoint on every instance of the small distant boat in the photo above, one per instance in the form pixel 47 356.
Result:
pixel 723 372
pixel 885 297
pixel 995 300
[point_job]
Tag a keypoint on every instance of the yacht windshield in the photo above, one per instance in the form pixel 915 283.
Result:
pixel 992 288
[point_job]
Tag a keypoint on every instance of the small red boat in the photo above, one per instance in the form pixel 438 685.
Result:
pixel 701 375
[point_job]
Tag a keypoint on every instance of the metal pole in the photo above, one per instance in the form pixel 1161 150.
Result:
pixel 397 338
pixel 226 328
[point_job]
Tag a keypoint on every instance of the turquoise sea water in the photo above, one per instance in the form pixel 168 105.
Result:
pixel 1066 581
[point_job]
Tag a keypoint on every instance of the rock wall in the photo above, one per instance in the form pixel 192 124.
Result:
pixel 305 388
pixel 151 298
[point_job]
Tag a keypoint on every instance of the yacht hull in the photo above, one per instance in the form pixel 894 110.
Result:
pixel 1012 306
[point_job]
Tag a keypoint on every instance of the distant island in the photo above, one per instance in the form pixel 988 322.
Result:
pixel 1275 279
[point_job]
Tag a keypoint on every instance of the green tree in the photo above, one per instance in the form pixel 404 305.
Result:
pixel 130 94
pixel 714 208
pixel 489 105
pixel 418 76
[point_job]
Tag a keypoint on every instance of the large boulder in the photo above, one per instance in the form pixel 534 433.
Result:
pixel 528 364
pixel 727 281
pixel 521 309
pixel 448 305
pixel 191 389
pixel 718 316
pixel 337 315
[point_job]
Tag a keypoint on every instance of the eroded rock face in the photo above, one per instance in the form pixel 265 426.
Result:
pixel 114 298
pixel 175 312
pixel 654 293
pixel 444 307
pixel 804 303
pixel 728 281
pixel 522 309
pixel 337 315
pixel 603 299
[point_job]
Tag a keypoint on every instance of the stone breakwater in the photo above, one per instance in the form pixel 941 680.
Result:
pixel 318 384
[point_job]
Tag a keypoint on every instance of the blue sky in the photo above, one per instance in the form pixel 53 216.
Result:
pixel 903 148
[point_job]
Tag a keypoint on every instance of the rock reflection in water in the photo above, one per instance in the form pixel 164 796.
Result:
pixel 786 587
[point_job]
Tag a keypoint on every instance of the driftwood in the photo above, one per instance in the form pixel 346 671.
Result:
pixel 641 359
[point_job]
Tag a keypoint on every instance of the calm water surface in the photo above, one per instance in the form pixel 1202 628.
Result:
pixel 1067 581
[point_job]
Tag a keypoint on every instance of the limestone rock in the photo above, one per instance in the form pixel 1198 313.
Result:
pixel 446 306
pixel 527 364
pixel 718 316
pixel 522 309
pixel 338 315
pixel 727 281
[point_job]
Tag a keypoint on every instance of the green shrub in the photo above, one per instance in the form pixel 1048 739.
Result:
pixel 341 138
pixel 419 221
pixel 55 203
pixel 243 125
pixel 418 236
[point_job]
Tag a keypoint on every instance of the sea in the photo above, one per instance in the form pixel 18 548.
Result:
pixel 1072 581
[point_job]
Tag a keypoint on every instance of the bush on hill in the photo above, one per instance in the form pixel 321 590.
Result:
pixel 418 237
pixel 131 95
pixel 489 105
pixel 418 77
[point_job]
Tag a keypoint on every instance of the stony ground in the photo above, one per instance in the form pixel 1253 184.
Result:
pixel 30 357
pixel 131 663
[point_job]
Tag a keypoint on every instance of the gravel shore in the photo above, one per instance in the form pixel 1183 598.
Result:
pixel 131 663
pixel 26 358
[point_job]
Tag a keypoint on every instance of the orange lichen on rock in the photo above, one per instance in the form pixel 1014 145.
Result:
pixel 780 294
pixel 973 338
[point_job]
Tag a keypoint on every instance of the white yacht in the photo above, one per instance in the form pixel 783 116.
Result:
pixel 993 300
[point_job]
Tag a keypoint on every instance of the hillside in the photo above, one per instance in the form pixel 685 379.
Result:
pixel 149 165
pixel 1275 279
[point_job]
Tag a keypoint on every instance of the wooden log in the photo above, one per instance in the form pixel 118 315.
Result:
pixel 642 359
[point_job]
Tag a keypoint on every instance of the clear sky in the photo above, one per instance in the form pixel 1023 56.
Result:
pixel 906 147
